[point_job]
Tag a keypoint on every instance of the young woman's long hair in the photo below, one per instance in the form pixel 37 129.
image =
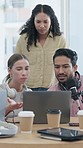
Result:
pixel 29 27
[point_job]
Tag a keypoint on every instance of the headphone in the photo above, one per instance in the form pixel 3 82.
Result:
pixel 11 92
pixel 77 78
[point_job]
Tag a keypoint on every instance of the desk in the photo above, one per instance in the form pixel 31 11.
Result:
pixel 24 140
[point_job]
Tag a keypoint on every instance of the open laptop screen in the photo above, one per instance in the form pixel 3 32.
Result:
pixel 40 101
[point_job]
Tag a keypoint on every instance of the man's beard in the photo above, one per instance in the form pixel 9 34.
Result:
pixel 69 83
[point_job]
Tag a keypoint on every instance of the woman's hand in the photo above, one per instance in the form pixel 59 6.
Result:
pixel 13 105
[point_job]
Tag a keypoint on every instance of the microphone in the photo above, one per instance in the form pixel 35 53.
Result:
pixel 75 95
pixel 71 84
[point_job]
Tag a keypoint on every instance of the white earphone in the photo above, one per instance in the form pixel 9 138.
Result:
pixel 11 92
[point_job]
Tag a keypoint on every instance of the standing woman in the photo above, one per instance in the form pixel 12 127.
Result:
pixel 40 38
pixel 14 84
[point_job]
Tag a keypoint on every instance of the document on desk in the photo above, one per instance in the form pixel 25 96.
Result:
pixel 50 137
pixel 62 134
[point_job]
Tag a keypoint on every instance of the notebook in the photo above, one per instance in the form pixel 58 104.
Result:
pixel 40 101
pixel 3 103
pixel 63 134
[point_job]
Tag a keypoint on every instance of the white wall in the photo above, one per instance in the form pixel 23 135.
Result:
pixel 2 49
pixel 76 30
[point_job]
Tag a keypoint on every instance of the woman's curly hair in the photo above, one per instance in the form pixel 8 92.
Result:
pixel 29 27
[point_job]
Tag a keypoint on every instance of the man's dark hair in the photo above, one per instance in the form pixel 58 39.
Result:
pixel 68 53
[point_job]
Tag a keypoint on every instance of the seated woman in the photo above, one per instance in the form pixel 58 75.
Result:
pixel 15 83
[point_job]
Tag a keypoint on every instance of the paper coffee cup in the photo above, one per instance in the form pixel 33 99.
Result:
pixel 26 121
pixel 80 118
pixel 53 117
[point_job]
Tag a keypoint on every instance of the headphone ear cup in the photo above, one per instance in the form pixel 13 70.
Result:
pixel 11 92
pixel 78 84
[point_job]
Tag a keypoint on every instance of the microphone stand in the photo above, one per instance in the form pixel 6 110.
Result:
pixel 75 96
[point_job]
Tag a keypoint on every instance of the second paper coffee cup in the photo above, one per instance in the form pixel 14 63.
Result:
pixel 80 118
pixel 53 117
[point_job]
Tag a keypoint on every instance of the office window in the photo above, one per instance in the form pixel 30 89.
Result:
pixel 10 45
pixel 17 3
pixel 14 40
pixel 5 46
pixel 14 3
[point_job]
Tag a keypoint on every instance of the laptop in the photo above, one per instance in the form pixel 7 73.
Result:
pixel 3 103
pixel 40 101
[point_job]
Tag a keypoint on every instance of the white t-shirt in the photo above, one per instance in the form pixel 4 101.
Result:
pixel 18 97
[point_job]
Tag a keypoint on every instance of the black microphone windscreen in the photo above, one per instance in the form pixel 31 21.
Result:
pixel 71 83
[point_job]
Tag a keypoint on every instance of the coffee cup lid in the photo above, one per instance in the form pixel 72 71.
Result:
pixel 26 114
pixel 54 111
pixel 80 112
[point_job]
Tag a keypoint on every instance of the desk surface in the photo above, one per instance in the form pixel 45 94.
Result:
pixel 24 140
